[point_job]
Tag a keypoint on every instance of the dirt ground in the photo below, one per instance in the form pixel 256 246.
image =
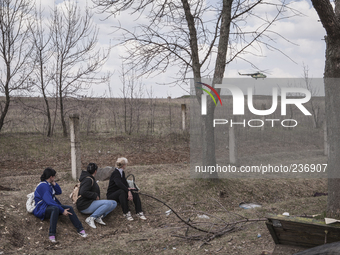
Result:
pixel 163 172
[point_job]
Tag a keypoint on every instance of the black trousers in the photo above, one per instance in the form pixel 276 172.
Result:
pixel 122 197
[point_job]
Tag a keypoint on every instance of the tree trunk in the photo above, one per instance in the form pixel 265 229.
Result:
pixel 8 98
pixel 330 19
pixel 208 138
pixel 131 116
pixel 55 110
pixel 49 122
pixel 208 131
pixel 209 152
pixel 5 110
pixel 332 92
pixel 62 117
pixel 125 117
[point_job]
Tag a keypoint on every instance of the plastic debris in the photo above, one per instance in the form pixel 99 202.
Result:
pixel 330 220
pixel 167 213
pixel 258 235
pixel 285 214
pixel 248 205
pixel 203 216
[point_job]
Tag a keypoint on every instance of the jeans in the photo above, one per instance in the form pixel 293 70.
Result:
pixel 52 213
pixel 121 196
pixel 100 208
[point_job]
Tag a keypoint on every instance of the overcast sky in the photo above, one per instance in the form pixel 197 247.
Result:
pixel 305 46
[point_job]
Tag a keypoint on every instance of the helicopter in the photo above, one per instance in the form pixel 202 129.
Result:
pixel 255 75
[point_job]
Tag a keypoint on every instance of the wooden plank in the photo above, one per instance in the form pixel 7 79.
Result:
pixel 308 226
pixel 300 231
pixel 313 232
pixel 272 232
pixel 303 241
pixel 299 244
pixel 303 220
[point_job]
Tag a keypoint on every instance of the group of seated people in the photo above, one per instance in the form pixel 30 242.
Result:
pixel 88 202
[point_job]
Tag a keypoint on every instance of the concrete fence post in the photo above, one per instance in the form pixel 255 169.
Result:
pixel 184 108
pixel 233 143
pixel 75 146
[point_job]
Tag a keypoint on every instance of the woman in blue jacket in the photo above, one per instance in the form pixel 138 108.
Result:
pixel 48 206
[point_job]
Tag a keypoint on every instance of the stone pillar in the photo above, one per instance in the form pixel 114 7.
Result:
pixel 75 146
pixel 183 115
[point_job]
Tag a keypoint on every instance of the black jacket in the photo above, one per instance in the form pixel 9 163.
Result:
pixel 117 182
pixel 88 191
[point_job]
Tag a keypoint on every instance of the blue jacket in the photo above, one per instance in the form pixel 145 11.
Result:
pixel 43 197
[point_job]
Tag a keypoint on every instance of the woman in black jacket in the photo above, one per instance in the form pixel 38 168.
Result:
pixel 119 190
pixel 89 201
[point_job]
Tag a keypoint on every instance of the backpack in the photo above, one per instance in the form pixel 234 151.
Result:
pixel 75 193
pixel 132 183
pixel 30 203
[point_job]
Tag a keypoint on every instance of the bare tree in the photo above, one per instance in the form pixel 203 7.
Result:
pixel 43 53
pixel 138 103
pixel 330 19
pixel 113 107
pixel 15 50
pixel 89 110
pixel 76 61
pixel 125 92
pixel 132 95
pixel 193 36
pixel 151 107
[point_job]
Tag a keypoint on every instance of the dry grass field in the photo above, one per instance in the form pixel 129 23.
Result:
pixel 99 115
pixel 160 162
